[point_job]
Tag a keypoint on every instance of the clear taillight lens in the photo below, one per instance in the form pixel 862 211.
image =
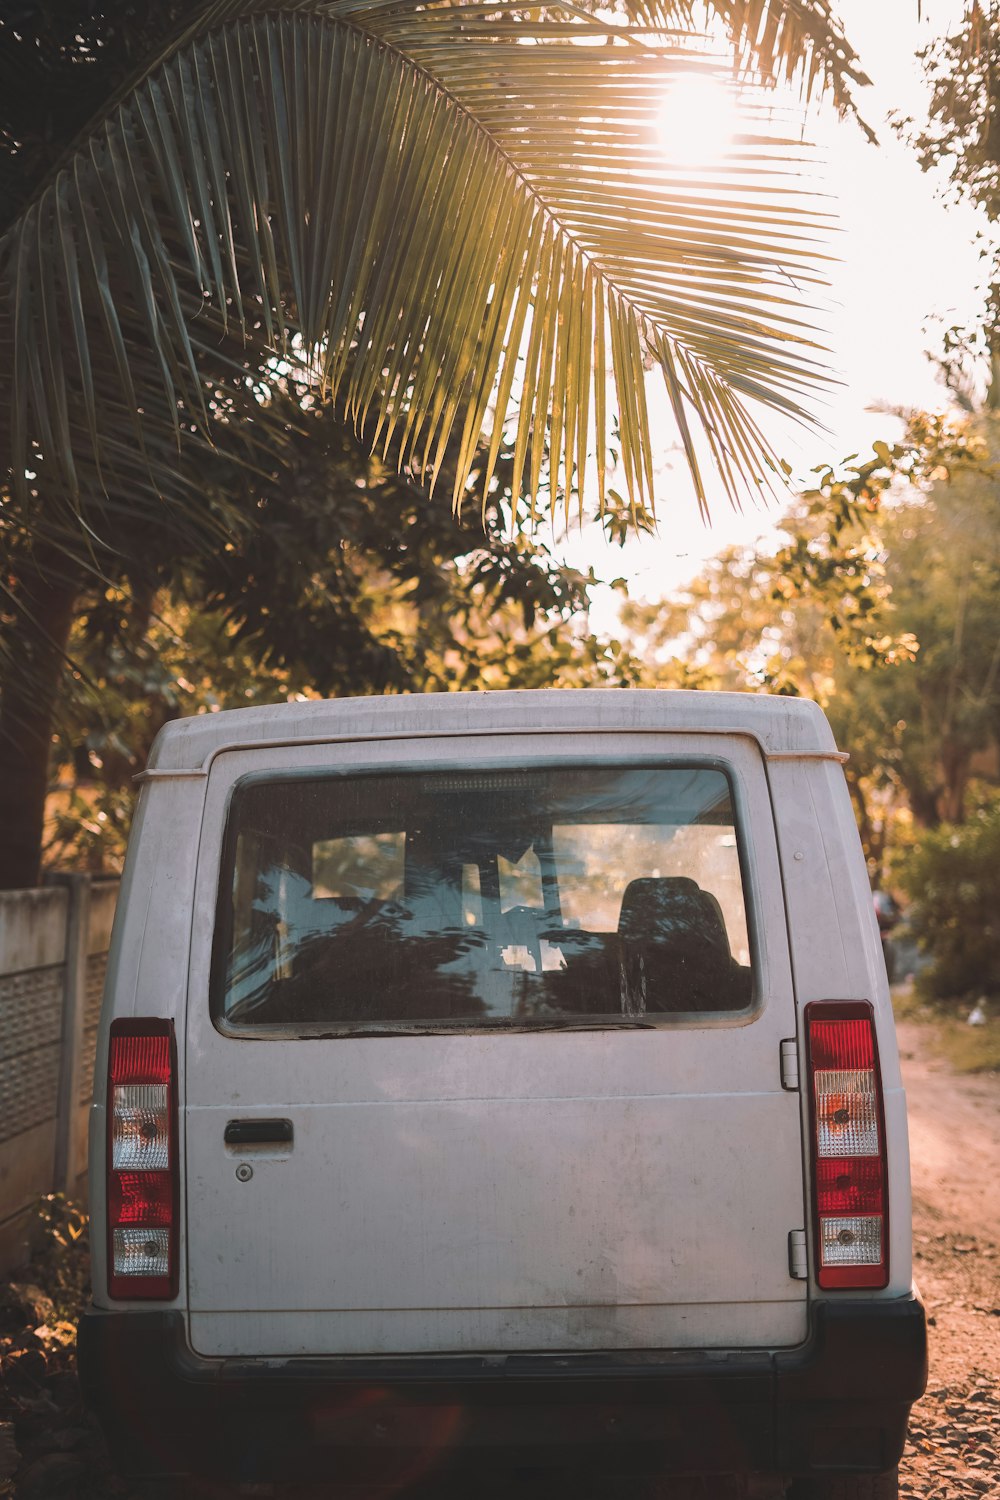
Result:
pixel 142 1160
pixel 851 1242
pixel 140 1127
pixel 848 1141
pixel 846 1112
pixel 143 1254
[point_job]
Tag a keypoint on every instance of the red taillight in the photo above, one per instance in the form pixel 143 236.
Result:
pixel 848 1146
pixel 142 1160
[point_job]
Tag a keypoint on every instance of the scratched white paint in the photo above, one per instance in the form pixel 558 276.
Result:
pixel 587 1190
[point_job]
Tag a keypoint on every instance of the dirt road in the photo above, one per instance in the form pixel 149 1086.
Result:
pixel 954 1449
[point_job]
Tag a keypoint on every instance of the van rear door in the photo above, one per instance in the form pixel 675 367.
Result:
pixel 483 1050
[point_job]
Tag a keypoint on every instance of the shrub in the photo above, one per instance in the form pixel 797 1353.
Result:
pixel 61 1260
pixel 952 876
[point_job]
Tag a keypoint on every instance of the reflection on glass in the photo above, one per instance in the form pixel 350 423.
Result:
pixel 551 897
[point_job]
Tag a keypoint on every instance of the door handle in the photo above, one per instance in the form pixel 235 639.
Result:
pixel 259 1132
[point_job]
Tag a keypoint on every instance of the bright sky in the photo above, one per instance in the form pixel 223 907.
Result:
pixel 903 259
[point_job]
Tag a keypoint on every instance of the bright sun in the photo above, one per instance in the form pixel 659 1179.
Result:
pixel 697 120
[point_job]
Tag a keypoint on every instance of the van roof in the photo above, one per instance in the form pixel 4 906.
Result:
pixel 781 726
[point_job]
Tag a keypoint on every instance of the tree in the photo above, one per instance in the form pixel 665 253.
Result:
pixel 952 877
pixel 944 567
pixel 59 65
pixel 811 619
pixel 961 137
pixel 336 575
pixel 188 240
pixel 880 603
pixel 373 195
pixel 415 601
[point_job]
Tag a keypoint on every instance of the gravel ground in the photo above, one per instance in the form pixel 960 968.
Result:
pixel 954 1448
pixel 50 1448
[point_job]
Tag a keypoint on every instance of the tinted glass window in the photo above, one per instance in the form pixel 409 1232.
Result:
pixel 552 897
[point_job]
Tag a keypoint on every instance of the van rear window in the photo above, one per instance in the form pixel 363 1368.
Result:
pixel 556 896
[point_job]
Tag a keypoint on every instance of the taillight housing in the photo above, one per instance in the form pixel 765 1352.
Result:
pixel 143 1178
pixel 850 1187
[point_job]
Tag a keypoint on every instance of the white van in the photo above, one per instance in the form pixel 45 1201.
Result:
pixel 502 1084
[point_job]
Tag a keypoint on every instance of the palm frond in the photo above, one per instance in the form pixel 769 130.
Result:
pixel 791 40
pixel 452 217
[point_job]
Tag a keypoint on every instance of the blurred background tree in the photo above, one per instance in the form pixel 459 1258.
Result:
pixel 880 602
pixel 952 879
pixel 960 138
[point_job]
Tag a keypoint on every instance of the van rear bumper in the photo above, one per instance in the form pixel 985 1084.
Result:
pixel 838 1403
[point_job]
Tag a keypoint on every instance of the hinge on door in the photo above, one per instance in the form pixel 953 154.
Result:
pixel 798 1265
pixel 789 1065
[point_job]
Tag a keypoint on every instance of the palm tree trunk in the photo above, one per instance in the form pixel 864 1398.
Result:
pixel 48 588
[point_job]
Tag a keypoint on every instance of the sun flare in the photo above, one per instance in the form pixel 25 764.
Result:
pixel 698 119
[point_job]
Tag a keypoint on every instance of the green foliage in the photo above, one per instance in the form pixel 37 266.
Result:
pixel 787 621
pixel 344 185
pixel 944 566
pixel 189 660
pixel 229 210
pixel 952 877
pixel 961 140
pixel 60 1265
pixel 963 125
pixel 881 602
pixel 932 508
pixel 837 557
pixel 338 576
pixel 59 64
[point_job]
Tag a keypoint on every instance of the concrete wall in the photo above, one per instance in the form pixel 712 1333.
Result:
pixel 53 956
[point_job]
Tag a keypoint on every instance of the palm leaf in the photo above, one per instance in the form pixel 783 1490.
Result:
pixel 446 215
